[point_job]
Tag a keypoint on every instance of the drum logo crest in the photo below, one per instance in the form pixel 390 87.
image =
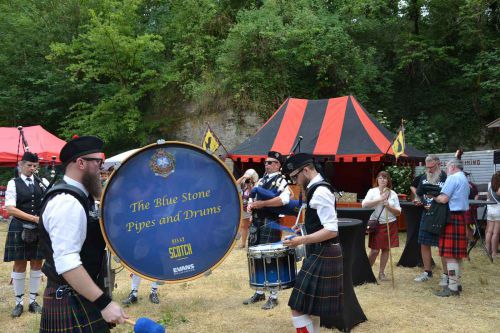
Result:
pixel 162 163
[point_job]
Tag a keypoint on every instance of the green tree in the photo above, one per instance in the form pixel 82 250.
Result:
pixel 119 65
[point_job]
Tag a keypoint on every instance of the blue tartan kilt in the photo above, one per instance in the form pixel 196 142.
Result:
pixel 71 314
pixel 425 237
pixel 16 248
pixel 318 289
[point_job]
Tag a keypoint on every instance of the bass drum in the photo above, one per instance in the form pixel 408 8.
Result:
pixel 171 212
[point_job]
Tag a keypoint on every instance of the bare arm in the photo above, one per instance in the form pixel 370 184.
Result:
pixel 317 237
pixel 82 283
pixel 16 212
pixel 442 198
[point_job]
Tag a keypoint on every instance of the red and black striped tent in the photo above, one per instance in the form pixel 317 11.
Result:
pixel 338 128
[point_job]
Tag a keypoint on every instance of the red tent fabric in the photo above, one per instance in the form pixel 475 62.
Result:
pixel 38 139
pixel 337 127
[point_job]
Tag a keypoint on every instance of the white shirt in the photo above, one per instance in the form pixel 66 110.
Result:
pixel 11 194
pixel 323 201
pixel 374 194
pixel 65 220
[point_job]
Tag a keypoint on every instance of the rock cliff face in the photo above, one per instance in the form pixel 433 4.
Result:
pixel 230 128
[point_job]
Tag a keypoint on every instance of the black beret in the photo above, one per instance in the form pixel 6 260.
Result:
pixel 296 161
pixel 30 157
pixel 276 155
pixel 80 146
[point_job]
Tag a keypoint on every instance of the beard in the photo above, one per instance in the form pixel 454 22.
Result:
pixel 92 183
pixel 433 178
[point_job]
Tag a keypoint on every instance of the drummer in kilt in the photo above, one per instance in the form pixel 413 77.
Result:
pixel 22 200
pixel 259 231
pixel 318 292
pixel 73 245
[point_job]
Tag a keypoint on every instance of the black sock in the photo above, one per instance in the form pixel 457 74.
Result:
pixel 429 273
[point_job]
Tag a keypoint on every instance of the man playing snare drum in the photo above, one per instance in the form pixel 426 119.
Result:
pixel 260 232
pixel 318 292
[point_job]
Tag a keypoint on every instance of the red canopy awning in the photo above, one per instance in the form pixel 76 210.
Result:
pixel 39 141
pixel 337 127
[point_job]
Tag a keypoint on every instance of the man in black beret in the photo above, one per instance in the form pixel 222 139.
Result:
pixel 74 246
pixel 259 231
pixel 318 291
pixel 22 201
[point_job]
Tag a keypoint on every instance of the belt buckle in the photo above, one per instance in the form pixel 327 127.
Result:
pixel 60 292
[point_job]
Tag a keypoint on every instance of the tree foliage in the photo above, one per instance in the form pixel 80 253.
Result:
pixel 125 70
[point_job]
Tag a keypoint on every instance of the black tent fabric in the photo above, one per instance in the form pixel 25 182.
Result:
pixel 337 127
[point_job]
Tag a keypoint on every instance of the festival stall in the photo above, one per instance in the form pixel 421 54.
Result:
pixel 39 141
pixel 349 142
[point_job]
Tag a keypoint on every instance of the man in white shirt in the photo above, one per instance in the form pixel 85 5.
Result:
pixel 22 200
pixel 74 246
pixel 318 291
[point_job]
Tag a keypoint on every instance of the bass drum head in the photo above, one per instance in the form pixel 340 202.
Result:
pixel 171 212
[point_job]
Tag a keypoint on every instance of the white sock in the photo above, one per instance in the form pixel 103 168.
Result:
pixel 303 321
pixel 274 295
pixel 260 292
pixel 35 278
pixel 18 280
pixel 136 282
pixel 453 275
pixel 316 322
pixel 154 285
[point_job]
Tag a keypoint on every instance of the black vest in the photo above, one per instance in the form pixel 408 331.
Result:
pixel 25 200
pixel 269 185
pixel 92 252
pixel 312 221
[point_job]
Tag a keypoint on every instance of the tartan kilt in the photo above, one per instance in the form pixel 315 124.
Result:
pixel 16 248
pixel 71 314
pixel 260 233
pixel 453 239
pixel 378 239
pixel 318 289
pixel 470 216
pixel 425 237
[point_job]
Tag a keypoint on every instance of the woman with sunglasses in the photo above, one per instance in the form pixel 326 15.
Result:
pixel 387 209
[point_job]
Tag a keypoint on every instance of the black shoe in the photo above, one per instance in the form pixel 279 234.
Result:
pixel 460 288
pixel 153 297
pixel 131 299
pixel 271 303
pixel 447 292
pixel 18 310
pixel 255 298
pixel 35 308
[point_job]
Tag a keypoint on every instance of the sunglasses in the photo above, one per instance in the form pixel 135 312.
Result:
pixel 294 177
pixel 270 162
pixel 98 160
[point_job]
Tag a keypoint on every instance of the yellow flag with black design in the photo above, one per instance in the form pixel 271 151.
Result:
pixel 210 141
pixel 398 146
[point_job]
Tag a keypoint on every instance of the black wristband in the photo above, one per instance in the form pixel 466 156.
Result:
pixel 102 301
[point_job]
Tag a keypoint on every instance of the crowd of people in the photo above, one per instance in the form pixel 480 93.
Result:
pixel 62 228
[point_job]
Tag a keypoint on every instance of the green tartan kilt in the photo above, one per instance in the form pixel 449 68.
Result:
pixel 72 314
pixel 318 289
pixel 16 248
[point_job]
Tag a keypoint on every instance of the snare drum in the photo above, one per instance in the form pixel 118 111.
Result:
pixel 271 266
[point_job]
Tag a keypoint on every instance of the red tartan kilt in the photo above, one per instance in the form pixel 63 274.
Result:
pixel 470 215
pixel 453 239
pixel 378 238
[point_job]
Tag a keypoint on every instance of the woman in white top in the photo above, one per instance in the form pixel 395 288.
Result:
pixel 245 185
pixel 387 209
pixel 493 217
